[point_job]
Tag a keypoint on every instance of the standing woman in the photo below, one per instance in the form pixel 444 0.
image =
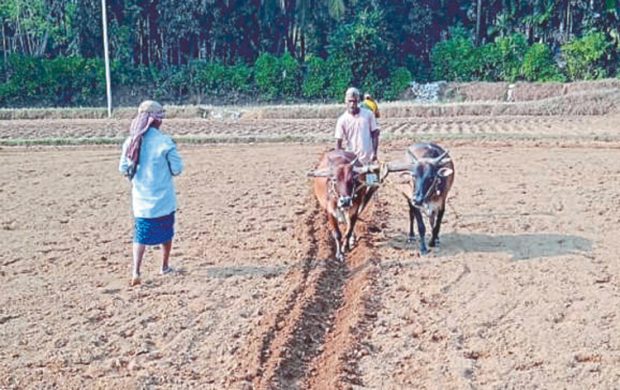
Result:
pixel 150 160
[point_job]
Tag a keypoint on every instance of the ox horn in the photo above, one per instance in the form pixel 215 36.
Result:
pixel 324 172
pixel 437 160
pixel 354 161
pixel 413 157
pixel 399 166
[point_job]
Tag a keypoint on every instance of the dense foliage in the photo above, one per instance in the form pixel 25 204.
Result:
pixel 51 51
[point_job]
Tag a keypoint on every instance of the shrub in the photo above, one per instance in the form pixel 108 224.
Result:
pixel 454 59
pixel 400 79
pixel 277 77
pixel 61 81
pixel 374 85
pixel 238 78
pixel 538 64
pixel 585 56
pixel 488 62
pixel 315 80
pixel 512 50
pixel 178 80
pixel 289 75
pixel 24 73
pixel 210 77
pixel 8 93
pixel 266 75
pixel 339 78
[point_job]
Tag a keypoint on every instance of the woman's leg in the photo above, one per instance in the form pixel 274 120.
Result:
pixel 166 248
pixel 138 254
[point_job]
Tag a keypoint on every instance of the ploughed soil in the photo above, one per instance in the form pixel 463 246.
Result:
pixel 524 291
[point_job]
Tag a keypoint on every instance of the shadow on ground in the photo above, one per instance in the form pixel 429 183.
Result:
pixel 518 246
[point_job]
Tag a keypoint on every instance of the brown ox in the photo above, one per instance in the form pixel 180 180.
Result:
pixel 339 186
pixel 432 175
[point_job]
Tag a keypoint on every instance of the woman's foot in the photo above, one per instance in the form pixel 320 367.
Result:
pixel 166 270
pixel 135 280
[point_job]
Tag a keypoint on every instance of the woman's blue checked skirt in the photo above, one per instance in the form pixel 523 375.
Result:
pixel 153 231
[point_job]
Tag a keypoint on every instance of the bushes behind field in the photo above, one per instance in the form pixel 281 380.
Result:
pixel 77 82
pixel 62 81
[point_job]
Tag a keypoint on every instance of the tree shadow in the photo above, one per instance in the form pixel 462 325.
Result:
pixel 519 246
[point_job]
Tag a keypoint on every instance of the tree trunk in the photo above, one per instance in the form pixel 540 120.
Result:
pixel 478 20
pixel 42 45
pixel 164 50
pixel 569 21
pixel 302 40
pixel 4 48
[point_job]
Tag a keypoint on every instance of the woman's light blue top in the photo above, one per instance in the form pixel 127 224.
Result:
pixel 153 194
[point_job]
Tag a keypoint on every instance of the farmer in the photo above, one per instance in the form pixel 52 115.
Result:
pixel 356 129
pixel 371 104
pixel 150 160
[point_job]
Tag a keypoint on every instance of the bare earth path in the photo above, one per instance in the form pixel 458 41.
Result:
pixel 524 292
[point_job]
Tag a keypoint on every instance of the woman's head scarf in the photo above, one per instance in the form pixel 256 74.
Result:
pixel 150 114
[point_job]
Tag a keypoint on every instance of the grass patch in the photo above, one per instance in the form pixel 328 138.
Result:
pixel 206 140
pixel 93 113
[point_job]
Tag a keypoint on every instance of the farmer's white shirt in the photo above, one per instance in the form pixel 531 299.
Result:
pixel 355 133
pixel 153 193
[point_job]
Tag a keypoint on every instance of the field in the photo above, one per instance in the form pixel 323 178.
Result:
pixel 524 292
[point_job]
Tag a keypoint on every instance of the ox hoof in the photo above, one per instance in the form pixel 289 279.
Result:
pixel 423 251
pixel 410 239
pixel 434 243
pixel 340 257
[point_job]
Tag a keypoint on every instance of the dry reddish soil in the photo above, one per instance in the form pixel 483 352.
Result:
pixel 524 292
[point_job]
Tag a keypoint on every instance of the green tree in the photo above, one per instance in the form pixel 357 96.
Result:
pixel 266 75
pixel 290 75
pixel 340 77
pixel 585 57
pixel 538 64
pixel 455 58
pixel 512 50
pixel 400 79
pixel 360 45
pixel 316 78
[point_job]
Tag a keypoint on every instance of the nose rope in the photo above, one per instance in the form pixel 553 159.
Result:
pixel 431 188
pixel 428 193
pixel 334 192
pixel 332 188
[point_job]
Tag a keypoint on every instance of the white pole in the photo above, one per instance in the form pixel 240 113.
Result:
pixel 108 86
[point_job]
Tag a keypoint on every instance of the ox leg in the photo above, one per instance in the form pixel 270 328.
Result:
pixel 411 237
pixel 436 226
pixel 350 236
pixel 352 239
pixel 333 223
pixel 421 230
